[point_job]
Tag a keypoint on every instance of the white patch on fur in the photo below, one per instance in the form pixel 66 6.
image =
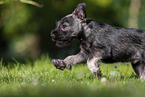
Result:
pixel 92 64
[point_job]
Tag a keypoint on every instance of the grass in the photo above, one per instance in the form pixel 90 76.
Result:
pixel 41 79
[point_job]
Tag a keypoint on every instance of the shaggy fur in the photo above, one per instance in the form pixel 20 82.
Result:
pixel 99 41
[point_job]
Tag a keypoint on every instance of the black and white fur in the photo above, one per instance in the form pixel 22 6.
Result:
pixel 99 41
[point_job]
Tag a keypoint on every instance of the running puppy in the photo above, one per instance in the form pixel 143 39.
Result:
pixel 99 41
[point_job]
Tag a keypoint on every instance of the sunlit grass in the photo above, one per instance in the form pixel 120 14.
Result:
pixel 41 78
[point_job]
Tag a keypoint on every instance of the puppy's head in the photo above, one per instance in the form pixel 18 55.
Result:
pixel 69 27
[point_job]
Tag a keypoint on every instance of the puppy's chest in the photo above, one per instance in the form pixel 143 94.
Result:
pixel 85 45
pixel 90 46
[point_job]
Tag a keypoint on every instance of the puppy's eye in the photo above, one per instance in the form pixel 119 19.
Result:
pixel 65 25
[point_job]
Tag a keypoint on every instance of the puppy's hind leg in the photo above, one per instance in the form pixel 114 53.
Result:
pixel 94 66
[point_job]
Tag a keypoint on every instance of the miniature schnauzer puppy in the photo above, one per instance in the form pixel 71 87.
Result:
pixel 99 41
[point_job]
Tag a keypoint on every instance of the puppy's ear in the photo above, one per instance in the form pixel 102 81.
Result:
pixel 80 11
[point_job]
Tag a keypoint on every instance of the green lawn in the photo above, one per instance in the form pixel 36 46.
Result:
pixel 41 79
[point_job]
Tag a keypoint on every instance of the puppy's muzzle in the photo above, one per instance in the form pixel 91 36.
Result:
pixel 53 35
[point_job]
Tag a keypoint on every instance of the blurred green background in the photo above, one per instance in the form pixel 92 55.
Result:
pixel 25 25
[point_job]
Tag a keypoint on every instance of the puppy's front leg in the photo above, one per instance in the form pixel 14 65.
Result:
pixel 59 64
pixel 94 66
pixel 69 61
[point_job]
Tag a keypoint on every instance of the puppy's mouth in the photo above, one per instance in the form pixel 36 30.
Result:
pixel 62 43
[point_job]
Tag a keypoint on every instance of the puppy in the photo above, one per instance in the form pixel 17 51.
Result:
pixel 99 41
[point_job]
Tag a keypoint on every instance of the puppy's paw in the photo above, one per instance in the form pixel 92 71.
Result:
pixel 97 74
pixel 59 64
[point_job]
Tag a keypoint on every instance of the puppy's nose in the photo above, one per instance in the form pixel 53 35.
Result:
pixel 53 36
pixel 53 33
